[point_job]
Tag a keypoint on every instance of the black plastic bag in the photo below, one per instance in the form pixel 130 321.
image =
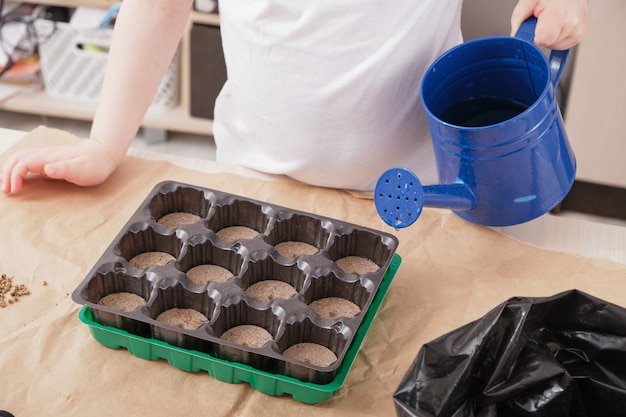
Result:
pixel 556 356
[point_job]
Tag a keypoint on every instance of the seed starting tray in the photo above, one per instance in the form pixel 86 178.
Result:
pixel 227 304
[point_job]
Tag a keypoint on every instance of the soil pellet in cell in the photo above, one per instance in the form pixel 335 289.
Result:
pixel 356 265
pixel 203 274
pixel 173 220
pixel 148 259
pixel 270 289
pixel 292 249
pixel 247 335
pixel 334 307
pixel 311 353
pixel 185 318
pixel 235 233
pixel 123 301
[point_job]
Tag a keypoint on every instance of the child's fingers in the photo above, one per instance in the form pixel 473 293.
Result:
pixel 522 11
pixel 561 24
pixel 32 162
pixel 559 29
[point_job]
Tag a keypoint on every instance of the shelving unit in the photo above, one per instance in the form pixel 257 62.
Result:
pixel 174 119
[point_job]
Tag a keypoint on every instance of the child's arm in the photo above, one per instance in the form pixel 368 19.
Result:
pixel 146 35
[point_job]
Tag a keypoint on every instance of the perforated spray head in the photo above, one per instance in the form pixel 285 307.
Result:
pixel 399 197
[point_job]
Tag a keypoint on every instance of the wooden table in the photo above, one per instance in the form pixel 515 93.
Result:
pixel 452 272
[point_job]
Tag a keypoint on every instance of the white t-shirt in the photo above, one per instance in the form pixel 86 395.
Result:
pixel 327 91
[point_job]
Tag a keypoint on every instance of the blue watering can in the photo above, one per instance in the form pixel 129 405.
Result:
pixel 502 154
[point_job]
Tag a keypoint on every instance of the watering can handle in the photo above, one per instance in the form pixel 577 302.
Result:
pixel 557 60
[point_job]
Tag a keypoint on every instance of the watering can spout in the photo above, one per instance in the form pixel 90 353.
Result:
pixel 400 197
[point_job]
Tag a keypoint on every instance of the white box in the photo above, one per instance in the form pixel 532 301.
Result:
pixel 73 63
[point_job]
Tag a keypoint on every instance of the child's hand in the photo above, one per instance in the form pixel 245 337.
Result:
pixel 561 24
pixel 85 163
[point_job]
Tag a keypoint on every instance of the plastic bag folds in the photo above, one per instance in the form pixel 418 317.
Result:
pixel 559 356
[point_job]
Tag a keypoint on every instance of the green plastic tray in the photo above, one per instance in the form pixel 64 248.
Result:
pixel 234 372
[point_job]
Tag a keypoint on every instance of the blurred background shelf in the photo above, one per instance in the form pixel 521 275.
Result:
pixel 76 3
pixel 177 119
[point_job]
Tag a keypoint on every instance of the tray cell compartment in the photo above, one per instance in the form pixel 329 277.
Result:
pixel 207 253
pixel 356 290
pixel 362 243
pixel 238 314
pixel 267 268
pixel 180 199
pixel 306 331
pixel 178 296
pixel 112 282
pixel 229 212
pixel 142 239
pixel 295 227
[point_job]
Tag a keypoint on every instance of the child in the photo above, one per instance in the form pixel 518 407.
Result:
pixel 326 92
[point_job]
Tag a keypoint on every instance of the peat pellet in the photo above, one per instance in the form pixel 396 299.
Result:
pixel 235 233
pixel 176 219
pixel 293 249
pixel 247 335
pixel 203 274
pixel 356 265
pixel 147 259
pixel 311 353
pixel 123 301
pixel 334 307
pixel 271 289
pixel 185 318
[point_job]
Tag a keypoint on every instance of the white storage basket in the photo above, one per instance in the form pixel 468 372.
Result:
pixel 71 70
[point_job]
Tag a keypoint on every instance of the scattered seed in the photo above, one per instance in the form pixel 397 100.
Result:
pixel 14 291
